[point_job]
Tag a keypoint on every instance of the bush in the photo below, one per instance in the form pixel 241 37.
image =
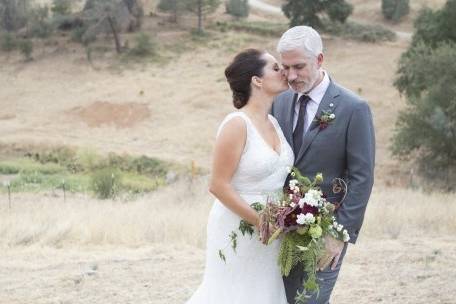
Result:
pixel 308 12
pixel 425 132
pixel 8 42
pixel 13 14
pixel 360 32
pixel 61 7
pixel 144 45
pixel 106 183
pixel 339 11
pixel 26 48
pixel 40 24
pixel 238 8
pixel 253 27
pixel 395 9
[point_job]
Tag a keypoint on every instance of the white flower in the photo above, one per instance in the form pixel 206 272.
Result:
pixel 293 183
pixel 339 228
pixel 346 236
pixel 305 219
pixel 332 116
pixel 301 202
pixel 292 174
pixel 292 205
pixel 313 197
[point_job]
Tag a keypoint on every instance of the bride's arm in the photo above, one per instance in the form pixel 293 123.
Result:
pixel 228 150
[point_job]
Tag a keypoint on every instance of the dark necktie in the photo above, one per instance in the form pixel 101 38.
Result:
pixel 298 133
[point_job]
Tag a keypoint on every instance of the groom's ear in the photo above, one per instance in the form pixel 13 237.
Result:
pixel 320 58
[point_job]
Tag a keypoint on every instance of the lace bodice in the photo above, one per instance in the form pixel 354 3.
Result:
pixel 261 169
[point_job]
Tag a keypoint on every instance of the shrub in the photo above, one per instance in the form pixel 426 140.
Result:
pixel 360 32
pixel 144 45
pixel 309 12
pixel 40 25
pixel 8 42
pixel 106 183
pixel 253 27
pixel 395 9
pixel 426 131
pixel 61 7
pixel 26 48
pixel 238 8
pixel 339 10
pixel 13 14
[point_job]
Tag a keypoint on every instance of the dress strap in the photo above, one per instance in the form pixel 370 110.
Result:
pixel 231 116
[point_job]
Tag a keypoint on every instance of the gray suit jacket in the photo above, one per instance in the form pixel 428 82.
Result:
pixel 345 149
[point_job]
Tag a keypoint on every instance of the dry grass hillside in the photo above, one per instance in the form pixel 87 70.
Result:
pixel 151 250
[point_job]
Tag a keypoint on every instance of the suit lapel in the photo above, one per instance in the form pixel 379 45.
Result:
pixel 329 98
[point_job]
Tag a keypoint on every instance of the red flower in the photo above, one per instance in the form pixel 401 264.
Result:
pixel 309 209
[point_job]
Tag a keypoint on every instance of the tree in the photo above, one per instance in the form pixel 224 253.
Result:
pixel 173 6
pixel 13 14
pixel 202 8
pixel 339 10
pixel 426 130
pixel 395 9
pixel 113 16
pixel 307 12
pixel 238 8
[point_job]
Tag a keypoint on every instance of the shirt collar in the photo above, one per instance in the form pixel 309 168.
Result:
pixel 317 93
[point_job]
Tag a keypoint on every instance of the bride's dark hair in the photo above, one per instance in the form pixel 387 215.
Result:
pixel 239 74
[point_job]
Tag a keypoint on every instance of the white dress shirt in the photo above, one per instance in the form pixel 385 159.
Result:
pixel 316 95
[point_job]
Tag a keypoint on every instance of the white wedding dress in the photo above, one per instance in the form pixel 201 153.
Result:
pixel 251 275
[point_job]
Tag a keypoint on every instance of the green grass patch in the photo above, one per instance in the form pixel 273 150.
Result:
pixel 140 183
pixel 85 171
pixel 37 182
pixel 27 165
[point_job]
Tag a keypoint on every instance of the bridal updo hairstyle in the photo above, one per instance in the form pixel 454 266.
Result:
pixel 240 72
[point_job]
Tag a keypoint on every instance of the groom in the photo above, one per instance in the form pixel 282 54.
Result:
pixel 331 131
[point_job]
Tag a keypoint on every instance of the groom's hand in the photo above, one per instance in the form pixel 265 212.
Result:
pixel 333 248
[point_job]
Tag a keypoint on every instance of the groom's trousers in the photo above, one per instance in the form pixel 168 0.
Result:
pixel 326 280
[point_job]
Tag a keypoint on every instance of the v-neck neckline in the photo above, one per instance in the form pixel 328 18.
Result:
pixel 279 153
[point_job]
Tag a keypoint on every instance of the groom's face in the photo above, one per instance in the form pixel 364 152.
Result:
pixel 301 69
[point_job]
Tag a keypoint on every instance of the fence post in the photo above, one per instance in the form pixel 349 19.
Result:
pixel 64 190
pixel 9 193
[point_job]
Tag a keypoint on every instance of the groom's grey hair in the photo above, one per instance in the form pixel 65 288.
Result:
pixel 303 38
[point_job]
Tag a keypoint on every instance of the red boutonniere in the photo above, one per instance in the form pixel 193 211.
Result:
pixel 325 119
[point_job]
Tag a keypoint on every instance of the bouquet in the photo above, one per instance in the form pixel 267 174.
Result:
pixel 302 218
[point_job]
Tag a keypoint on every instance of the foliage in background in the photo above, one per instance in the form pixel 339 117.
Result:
pixel 26 48
pixel 238 8
pixel 106 182
pixel 255 27
pixel 176 7
pixel 144 45
pixel 426 129
pixel 84 170
pixel 13 14
pixel 357 31
pixel 39 23
pixel 394 10
pixel 308 12
pixel 202 8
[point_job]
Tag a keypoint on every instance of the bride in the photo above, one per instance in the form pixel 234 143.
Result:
pixel 250 163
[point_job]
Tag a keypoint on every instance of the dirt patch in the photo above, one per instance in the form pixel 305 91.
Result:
pixel 100 113
pixel 7 116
